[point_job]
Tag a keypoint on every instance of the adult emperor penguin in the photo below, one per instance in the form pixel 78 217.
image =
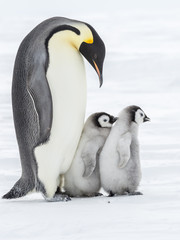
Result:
pixel 120 170
pixel 82 178
pixel 49 100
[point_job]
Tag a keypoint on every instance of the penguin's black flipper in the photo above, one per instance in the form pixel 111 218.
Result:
pixel 20 189
pixel 31 96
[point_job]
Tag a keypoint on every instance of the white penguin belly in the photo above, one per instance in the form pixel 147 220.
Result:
pixel 66 78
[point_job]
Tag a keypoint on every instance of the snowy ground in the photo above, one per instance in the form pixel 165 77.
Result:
pixel 142 67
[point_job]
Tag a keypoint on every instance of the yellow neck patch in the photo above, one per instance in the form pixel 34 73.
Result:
pixel 90 41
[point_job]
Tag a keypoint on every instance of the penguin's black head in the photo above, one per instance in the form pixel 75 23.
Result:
pixel 89 43
pixel 137 115
pixel 103 120
pixel 94 53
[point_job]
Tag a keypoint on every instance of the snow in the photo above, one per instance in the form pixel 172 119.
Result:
pixel 141 67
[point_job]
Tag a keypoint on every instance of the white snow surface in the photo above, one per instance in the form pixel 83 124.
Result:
pixel 142 67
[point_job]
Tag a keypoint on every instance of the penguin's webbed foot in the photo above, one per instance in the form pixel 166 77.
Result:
pixel 59 198
pixel 135 193
pixel 58 191
pixel 111 194
pixel 94 195
pixel 98 195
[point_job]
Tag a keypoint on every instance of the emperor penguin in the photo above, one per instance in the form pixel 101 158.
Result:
pixel 120 169
pixel 82 178
pixel 49 100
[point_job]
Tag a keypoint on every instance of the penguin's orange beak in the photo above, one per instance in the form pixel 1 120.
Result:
pixel 99 74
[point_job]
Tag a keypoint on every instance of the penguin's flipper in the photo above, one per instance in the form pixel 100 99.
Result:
pixel 41 96
pixel 123 149
pixel 89 165
pixel 89 157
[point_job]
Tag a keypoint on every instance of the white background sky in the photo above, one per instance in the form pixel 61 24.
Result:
pixel 61 7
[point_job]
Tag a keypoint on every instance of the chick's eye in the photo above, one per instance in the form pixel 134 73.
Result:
pixel 141 114
pixel 105 120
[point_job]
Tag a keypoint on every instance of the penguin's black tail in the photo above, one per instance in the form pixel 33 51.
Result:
pixel 20 189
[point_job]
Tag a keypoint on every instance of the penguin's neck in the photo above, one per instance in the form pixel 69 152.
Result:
pixel 125 124
pixel 122 126
pixel 134 127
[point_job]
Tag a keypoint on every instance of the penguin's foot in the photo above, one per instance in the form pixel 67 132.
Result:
pixel 135 193
pixel 94 195
pixel 58 191
pixel 98 195
pixel 59 198
pixel 111 194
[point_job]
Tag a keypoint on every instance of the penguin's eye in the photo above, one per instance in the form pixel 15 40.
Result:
pixel 141 114
pixel 95 56
pixel 105 120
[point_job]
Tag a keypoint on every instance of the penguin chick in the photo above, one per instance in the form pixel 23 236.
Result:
pixel 120 170
pixel 82 179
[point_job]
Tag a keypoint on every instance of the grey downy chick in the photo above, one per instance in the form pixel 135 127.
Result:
pixel 82 178
pixel 120 169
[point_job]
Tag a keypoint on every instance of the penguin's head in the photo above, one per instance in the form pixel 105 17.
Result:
pixel 137 115
pixel 103 120
pixel 93 49
pixel 85 39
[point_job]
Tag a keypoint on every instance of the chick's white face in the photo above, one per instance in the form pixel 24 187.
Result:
pixel 104 121
pixel 139 116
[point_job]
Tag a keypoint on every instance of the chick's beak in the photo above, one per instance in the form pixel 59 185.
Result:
pixel 113 119
pixel 146 119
